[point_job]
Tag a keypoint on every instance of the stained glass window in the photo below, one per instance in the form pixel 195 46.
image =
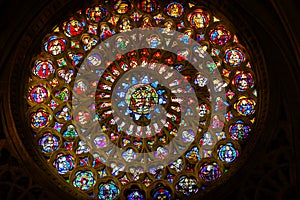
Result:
pixel 139 98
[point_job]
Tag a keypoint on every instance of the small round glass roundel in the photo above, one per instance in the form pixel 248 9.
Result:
pixel 84 180
pixel 234 57
pixel 108 191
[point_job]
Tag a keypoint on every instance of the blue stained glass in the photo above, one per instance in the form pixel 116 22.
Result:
pixel 234 57
pixel 134 80
pixel 154 84
pixel 162 194
pixel 64 163
pixel 49 143
pixel 193 154
pixel 40 118
pixel 239 130
pixel 108 191
pixel 160 92
pixel 245 106
pixel 227 153
pixel 210 172
pixel 135 195
pixel 84 180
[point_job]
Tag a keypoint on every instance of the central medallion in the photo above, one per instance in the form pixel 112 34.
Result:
pixel 141 100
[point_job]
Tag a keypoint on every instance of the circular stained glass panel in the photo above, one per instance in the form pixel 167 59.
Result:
pixel 161 104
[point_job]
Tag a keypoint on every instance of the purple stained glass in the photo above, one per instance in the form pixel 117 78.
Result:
pixel 100 141
pixel 38 94
pixel 48 142
pixel 135 195
pixel 209 172
pixel 239 130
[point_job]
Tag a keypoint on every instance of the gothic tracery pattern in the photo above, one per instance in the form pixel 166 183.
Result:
pixel 52 86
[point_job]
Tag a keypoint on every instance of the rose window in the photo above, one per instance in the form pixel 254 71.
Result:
pixel 142 99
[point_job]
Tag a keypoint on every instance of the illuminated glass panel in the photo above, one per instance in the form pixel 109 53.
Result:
pixel 52 92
